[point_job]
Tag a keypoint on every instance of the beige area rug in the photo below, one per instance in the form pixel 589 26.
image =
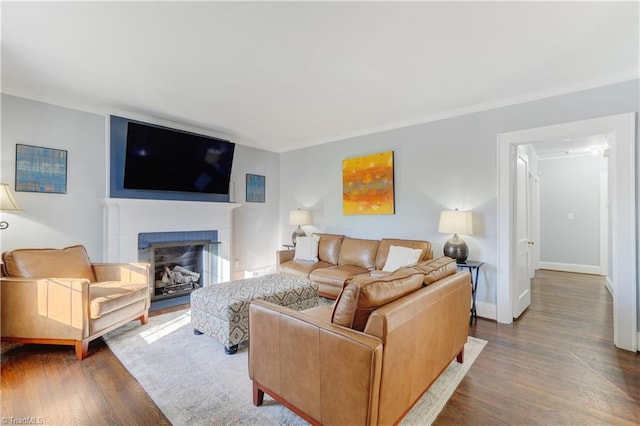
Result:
pixel 194 382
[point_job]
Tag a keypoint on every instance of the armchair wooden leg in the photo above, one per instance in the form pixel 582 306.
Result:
pixel 460 356
pixel 144 318
pixel 258 395
pixel 82 348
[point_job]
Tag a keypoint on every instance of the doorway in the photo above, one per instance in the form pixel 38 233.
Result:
pixel 621 132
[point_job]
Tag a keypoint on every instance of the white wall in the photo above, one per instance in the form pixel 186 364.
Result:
pixel 571 186
pixel 255 225
pixel 450 163
pixel 58 220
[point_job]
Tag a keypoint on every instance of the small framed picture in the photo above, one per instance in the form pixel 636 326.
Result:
pixel 40 169
pixel 255 188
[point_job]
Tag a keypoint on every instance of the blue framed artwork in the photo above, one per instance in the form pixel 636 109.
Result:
pixel 40 169
pixel 255 188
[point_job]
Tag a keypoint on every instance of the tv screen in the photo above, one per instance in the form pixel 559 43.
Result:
pixel 162 159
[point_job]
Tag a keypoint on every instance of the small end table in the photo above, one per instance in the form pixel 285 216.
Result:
pixel 472 265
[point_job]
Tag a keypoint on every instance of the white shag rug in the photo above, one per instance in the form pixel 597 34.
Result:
pixel 194 382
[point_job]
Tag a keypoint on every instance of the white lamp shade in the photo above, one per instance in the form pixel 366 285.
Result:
pixel 456 222
pixel 7 202
pixel 299 217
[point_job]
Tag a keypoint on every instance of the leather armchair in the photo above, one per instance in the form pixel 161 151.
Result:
pixel 57 296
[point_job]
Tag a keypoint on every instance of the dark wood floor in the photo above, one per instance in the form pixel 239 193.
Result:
pixel 556 365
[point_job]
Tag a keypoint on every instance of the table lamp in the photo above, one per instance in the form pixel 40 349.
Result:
pixel 298 217
pixel 7 203
pixel 456 222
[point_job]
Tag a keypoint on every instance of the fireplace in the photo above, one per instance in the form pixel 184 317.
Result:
pixel 180 261
pixel 182 221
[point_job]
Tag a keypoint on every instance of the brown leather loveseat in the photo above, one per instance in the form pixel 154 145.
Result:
pixel 57 296
pixel 368 359
pixel 341 257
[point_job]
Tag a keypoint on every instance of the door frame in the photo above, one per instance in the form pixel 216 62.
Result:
pixel 622 215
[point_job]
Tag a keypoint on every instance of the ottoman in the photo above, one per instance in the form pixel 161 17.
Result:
pixel 221 310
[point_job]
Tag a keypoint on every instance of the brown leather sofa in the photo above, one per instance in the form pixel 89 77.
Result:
pixel 368 359
pixel 341 257
pixel 57 296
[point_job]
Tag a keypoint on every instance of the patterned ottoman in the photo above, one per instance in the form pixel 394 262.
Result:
pixel 221 310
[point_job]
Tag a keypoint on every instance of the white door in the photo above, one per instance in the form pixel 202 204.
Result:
pixel 522 285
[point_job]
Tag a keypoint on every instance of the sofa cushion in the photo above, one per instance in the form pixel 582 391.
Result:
pixel 69 262
pixel 307 248
pixel 363 294
pixel 108 296
pixel 336 275
pixel 358 252
pixel 401 256
pixel 436 269
pixel 301 269
pixel 386 243
pixel 329 247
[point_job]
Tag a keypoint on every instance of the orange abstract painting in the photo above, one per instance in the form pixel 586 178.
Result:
pixel 367 184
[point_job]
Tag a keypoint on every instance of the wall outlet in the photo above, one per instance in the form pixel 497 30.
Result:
pixel 571 216
pixel 236 263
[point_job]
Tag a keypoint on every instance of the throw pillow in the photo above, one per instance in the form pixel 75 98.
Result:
pixel 307 248
pixel 401 256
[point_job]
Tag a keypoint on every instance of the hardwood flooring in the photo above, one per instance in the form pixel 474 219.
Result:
pixel 555 365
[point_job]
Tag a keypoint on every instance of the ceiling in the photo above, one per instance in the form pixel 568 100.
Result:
pixel 287 75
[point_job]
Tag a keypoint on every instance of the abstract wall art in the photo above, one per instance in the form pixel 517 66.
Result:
pixel 367 184
pixel 255 188
pixel 40 169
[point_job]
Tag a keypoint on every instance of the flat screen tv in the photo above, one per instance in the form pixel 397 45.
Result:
pixel 162 159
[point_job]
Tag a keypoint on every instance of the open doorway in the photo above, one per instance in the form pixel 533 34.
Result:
pixel 620 129
pixel 572 176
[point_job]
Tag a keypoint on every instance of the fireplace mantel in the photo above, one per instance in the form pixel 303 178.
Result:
pixel 127 217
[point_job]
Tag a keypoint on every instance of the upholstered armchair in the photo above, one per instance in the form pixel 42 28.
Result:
pixel 57 296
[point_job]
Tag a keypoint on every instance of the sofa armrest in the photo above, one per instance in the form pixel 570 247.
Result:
pixel 326 373
pixel 125 272
pixel 284 256
pixel 46 308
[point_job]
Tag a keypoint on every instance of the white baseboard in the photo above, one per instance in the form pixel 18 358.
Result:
pixel 570 267
pixel 486 310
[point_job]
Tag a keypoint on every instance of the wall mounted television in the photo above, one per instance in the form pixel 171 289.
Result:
pixel 151 161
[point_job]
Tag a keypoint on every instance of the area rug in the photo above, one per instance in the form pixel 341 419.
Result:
pixel 194 382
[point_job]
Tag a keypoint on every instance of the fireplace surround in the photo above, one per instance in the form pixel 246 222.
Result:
pixel 126 219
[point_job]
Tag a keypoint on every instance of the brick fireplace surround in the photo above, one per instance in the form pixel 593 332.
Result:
pixel 126 218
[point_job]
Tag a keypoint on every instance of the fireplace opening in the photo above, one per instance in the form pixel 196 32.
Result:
pixel 179 263
pixel 178 268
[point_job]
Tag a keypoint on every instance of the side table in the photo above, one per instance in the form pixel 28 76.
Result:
pixel 472 265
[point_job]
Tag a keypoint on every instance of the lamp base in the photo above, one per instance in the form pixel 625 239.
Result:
pixel 456 248
pixel 299 232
